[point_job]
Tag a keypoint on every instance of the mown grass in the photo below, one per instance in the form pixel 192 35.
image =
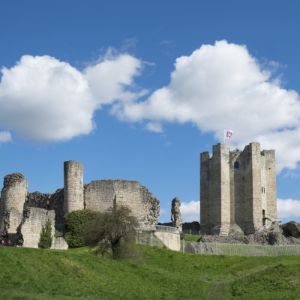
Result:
pixel 156 274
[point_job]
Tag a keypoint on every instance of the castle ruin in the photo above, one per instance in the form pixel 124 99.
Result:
pixel 237 189
pixel 23 214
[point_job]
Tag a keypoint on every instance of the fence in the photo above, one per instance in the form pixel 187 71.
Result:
pixel 239 249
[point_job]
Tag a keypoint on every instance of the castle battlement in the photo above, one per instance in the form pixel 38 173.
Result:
pixel 237 188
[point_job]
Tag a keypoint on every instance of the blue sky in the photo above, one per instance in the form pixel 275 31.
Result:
pixel 116 85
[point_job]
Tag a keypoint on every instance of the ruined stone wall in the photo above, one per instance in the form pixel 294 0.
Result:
pixel 48 201
pixel 34 220
pixel 13 197
pixel 23 214
pixel 101 195
pixel 73 187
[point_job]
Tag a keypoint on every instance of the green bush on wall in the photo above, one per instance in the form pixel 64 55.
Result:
pixel 76 222
pixel 46 236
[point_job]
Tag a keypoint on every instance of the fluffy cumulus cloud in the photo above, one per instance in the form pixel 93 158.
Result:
pixel 222 86
pixel 45 99
pixel 190 211
pixel 288 209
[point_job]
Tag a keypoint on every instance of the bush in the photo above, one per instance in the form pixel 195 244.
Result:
pixel 46 236
pixel 76 222
pixel 115 227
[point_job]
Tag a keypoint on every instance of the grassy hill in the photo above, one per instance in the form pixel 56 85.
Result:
pixel 157 274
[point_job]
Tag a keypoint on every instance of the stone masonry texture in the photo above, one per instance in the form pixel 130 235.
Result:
pixel 13 197
pixel 73 190
pixel 237 188
pixel 101 195
pixel 36 219
pixel 23 214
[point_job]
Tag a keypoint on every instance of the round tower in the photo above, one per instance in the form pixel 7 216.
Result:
pixel 73 187
pixel 13 197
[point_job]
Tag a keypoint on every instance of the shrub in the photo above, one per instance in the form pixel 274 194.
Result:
pixel 115 227
pixel 76 222
pixel 46 236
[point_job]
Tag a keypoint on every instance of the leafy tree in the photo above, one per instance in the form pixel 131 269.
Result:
pixel 114 228
pixel 76 222
pixel 46 236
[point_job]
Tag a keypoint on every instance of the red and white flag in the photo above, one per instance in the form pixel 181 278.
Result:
pixel 228 133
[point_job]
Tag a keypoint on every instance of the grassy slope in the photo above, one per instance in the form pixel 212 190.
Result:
pixel 158 274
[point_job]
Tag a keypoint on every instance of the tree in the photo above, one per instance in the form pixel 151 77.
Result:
pixel 115 228
pixel 46 236
pixel 76 222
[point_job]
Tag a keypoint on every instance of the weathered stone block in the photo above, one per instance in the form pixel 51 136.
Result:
pixel 34 220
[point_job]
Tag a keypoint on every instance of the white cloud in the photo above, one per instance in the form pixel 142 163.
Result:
pixel 288 209
pixel 190 211
pixel 155 127
pixel 5 137
pixel 222 86
pixel 44 99
pixel 110 78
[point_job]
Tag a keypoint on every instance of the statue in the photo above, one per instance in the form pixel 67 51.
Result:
pixel 175 214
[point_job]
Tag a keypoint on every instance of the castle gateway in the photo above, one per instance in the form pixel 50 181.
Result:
pixel 237 188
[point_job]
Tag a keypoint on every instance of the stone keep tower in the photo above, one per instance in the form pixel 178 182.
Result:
pixel 13 197
pixel 73 186
pixel 237 188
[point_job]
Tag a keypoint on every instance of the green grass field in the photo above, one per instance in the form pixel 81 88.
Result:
pixel 156 274
pixel 191 237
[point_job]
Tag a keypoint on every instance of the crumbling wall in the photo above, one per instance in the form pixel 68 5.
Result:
pixel 23 214
pixel 47 201
pixel 101 195
pixel 13 197
pixel 34 220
